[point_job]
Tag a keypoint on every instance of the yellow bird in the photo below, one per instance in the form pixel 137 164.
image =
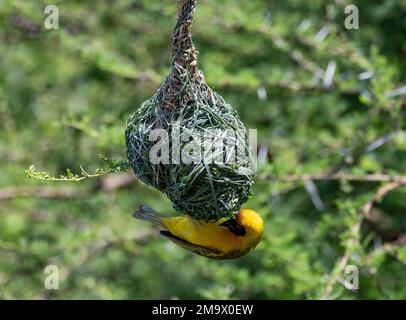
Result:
pixel 224 239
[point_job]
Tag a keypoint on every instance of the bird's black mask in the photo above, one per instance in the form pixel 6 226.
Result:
pixel 234 227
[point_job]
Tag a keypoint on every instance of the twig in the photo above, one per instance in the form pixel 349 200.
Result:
pixel 364 213
pixel 366 210
pixel 339 176
pixel 386 248
pixel 342 262
pixel 295 87
pixel 294 54
pixel 111 166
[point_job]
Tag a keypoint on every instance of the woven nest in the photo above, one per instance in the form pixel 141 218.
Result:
pixel 211 181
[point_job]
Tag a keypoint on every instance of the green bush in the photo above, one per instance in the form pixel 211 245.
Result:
pixel 66 94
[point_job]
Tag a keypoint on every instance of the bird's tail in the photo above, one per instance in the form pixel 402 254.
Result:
pixel 148 214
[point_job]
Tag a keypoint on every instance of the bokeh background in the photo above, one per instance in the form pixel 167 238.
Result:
pixel 327 102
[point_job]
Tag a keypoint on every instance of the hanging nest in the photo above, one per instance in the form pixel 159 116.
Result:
pixel 209 181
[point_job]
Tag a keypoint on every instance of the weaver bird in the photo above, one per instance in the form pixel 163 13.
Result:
pixel 224 239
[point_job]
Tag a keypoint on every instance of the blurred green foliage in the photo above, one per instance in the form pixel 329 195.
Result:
pixel 65 96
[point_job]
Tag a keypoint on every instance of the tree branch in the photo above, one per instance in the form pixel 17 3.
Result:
pixel 387 248
pixel 364 213
pixel 378 177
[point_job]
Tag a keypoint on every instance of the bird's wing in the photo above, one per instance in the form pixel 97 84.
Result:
pixel 204 251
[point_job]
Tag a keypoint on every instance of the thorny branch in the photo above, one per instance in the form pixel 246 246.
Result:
pixel 343 176
pixel 364 214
